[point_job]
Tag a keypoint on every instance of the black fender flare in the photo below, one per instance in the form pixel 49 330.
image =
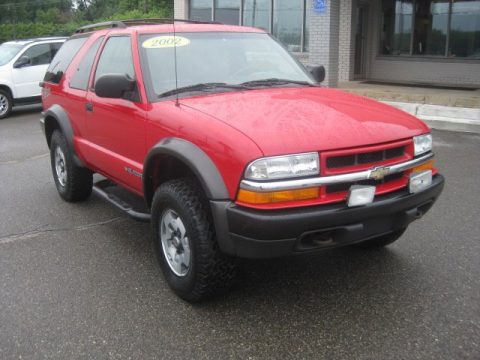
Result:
pixel 193 157
pixel 58 114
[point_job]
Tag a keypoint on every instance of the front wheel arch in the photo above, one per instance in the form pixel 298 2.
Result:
pixel 194 163
pixel 8 90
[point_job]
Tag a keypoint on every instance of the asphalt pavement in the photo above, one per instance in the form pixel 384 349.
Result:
pixel 80 281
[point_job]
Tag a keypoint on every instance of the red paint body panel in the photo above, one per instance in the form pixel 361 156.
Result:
pixel 228 148
pixel 232 128
pixel 295 120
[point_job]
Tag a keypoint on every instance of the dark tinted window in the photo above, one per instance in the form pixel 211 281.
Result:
pixel 81 76
pixel 39 54
pixel 63 58
pixel 116 58
pixel 54 47
pixel 465 29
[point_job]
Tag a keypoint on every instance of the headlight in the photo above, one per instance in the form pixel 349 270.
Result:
pixel 422 144
pixel 282 167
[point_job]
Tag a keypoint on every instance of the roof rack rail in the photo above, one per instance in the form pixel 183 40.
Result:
pixel 154 21
pixel 122 24
pixel 99 26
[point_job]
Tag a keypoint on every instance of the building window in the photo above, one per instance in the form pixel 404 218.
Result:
pixel 288 23
pixel 285 19
pixel 441 28
pixel 465 29
pixel 257 13
pixel 201 10
pixel 397 27
pixel 227 11
pixel 431 27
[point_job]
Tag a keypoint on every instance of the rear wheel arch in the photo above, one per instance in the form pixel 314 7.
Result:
pixel 56 118
pixel 51 124
pixel 175 158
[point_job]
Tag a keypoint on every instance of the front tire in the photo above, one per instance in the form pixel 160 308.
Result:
pixel 185 243
pixel 6 104
pixel 74 183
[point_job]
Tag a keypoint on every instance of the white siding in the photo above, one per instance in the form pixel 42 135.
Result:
pixel 324 35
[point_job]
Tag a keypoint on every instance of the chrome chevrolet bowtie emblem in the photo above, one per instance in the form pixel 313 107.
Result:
pixel 379 172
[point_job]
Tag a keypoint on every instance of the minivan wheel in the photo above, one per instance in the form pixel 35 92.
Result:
pixel 185 243
pixel 5 104
pixel 383 240
pixel 74 183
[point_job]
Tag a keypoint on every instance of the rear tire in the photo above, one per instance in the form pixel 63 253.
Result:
pixel 74 183
pixel 383 240
pixel 185 243
pixel 6 103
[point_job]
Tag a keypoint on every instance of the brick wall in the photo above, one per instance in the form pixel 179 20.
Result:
pixel 430 72
pixel 346 41
pixel 324 37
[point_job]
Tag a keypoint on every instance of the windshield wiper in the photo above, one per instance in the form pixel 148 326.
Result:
pixel 201 87
pixel 276 81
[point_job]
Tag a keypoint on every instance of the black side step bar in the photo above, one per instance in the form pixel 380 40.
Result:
pixel 103 189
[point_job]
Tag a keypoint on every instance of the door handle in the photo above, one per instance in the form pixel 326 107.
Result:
pixel 89 107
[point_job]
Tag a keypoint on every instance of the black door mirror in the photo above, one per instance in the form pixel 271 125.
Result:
pixel 22 61
pixel 115 86
pixel 318 73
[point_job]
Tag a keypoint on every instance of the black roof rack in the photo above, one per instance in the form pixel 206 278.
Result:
pixel 122 24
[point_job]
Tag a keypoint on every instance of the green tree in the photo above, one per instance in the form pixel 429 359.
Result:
pixel 34 18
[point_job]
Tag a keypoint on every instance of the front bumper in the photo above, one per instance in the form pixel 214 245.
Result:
pixel 252 233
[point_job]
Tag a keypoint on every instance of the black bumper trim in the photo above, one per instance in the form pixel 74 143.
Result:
pixel 261 234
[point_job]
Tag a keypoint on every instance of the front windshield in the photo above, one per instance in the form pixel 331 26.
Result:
pixel 215 57
pixel 8 52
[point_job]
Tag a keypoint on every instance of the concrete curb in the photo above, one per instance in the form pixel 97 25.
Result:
pixel 443 117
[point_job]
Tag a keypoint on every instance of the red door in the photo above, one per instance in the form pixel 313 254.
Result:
pixel 116 127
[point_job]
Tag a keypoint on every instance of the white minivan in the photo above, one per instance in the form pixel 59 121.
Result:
pixel 23 64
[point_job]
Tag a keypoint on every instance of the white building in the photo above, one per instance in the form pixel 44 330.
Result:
pixel 434 42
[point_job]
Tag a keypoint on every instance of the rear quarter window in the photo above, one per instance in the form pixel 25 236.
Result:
pixel 63 58
pixel 81 76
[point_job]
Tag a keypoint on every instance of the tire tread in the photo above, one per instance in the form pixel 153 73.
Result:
pixel 79 179
pixel 215 271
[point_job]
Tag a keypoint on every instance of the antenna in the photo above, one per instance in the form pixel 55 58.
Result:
pixel 177 103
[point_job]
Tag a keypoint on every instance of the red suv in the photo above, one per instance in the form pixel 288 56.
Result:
pixel 236 149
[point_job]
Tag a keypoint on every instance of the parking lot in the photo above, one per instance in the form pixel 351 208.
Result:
pixel 80 281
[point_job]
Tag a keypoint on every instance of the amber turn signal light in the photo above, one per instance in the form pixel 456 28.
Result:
pixel 425 166
pixel 251 197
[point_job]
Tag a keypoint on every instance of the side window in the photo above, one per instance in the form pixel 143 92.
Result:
pixel 116 58
pixel 54 47
pixel 81 76
pixel 39 54
pixel 63 58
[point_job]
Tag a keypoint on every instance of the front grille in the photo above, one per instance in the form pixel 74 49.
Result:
pixel 336 188
pixel 335 162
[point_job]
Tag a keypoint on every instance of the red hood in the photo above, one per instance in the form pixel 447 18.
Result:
pixel 294 120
